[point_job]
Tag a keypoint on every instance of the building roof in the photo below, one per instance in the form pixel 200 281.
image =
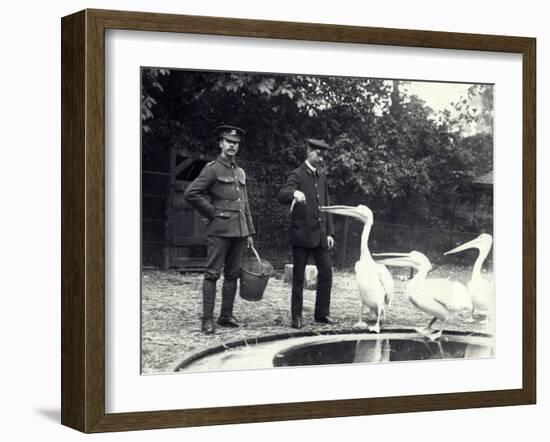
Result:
pixel 484 181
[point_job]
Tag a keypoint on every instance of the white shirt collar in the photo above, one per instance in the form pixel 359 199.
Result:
pixel 313 169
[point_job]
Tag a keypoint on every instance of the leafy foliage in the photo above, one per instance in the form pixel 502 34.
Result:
pixel 150 82
pixel 390 151
pixel 474 113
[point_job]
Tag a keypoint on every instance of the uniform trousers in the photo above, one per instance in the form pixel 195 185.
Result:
pixel 226 253
pixel 324 281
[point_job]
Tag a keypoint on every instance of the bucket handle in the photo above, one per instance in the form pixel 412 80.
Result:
pixel 257 257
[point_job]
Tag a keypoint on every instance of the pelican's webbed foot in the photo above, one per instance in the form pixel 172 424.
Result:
pixel 375 328
pixel 435 335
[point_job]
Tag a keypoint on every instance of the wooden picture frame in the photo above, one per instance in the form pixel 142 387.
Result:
pixel 83 220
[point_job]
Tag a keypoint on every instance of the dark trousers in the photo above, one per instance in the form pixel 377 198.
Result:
pixel 324 281
pixel 223 253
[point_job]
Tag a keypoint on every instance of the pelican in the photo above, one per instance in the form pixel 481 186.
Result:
pixel 374 280
pixel 481 290
pixel 438 297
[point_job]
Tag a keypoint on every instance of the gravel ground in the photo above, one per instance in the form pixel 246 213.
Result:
pixel 171 310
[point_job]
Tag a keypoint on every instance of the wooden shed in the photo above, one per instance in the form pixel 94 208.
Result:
pixel 484 183
pixel 482 217
pixel 173 233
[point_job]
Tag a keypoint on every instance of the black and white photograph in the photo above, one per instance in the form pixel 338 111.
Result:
pixel 302 220
pixel 250 221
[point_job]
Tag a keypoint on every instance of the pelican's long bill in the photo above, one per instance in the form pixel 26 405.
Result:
pixel 483 241
pixel 413 259
pixel 397 260
pixel 361 212
pixel 391 254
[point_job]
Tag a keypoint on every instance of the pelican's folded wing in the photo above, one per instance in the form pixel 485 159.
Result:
pixel 387 282
pixel 481 293
pixel 453 295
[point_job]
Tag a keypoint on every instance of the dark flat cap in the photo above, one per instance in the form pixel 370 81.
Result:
pixel 317 144
pixel 231 133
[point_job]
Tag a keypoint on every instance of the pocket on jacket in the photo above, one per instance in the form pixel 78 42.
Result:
pixel 226 179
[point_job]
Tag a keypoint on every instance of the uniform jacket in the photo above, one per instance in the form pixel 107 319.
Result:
pixel 309 226
pixel 219 194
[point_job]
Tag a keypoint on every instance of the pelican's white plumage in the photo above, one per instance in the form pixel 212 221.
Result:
pixel 480 289
pixel 374 280
pixel 440 298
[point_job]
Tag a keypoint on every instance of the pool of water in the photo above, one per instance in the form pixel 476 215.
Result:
pixel 342 348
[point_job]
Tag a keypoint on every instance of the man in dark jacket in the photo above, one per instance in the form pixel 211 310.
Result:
pixel 311 231
pixel 219 194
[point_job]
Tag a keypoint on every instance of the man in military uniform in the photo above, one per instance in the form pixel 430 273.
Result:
pixel 311 231
pixel 219 194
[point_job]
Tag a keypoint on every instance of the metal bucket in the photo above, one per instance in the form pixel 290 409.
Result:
pixel 255 273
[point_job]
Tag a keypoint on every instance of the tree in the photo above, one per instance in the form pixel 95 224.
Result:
pixel 387 148
pixel 150 81
pixel 474 113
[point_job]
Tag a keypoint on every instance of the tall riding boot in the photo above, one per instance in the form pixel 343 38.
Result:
pixel 229 289
pixel 208 301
